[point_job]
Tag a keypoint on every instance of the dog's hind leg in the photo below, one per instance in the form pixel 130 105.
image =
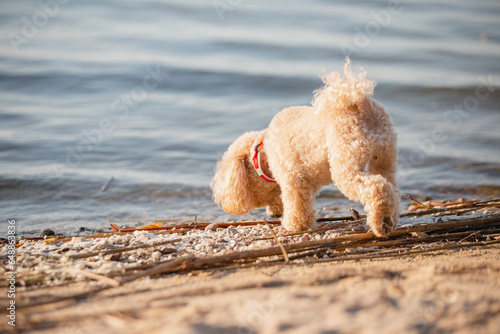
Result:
pixel 384 163
pixel 376 193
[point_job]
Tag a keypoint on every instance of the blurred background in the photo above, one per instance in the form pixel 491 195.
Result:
pixel 149 94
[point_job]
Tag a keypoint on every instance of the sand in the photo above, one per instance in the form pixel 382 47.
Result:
pixel 454 291
pixel 442 291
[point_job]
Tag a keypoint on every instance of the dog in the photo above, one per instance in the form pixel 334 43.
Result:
pixel 344 137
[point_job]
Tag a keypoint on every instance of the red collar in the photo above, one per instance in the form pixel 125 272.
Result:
pixel 257 165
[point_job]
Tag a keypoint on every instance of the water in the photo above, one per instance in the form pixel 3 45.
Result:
pixel 151 93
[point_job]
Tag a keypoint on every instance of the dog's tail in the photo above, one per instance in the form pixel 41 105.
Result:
pixel 340 93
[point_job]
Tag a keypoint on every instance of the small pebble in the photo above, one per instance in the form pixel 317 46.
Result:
pixel 47 232
pixel 212 227
pixel 304 238
pixel 156 256
pixel 113 257
pixel 167 250
pixel 231 231
pixel 354 214
pixel 100 244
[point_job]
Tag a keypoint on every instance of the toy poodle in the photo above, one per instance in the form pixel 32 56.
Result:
pixel 345 137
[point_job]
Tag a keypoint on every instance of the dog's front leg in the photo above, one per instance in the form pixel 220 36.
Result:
pixel 298 199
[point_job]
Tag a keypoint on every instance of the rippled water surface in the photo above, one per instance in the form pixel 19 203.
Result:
pixel 151 93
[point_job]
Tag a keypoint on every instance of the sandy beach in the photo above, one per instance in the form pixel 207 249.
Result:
pixel 446 292
pixel 438 273
pixel 454 291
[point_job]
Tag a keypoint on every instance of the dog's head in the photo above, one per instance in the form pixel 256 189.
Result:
pixel 236 186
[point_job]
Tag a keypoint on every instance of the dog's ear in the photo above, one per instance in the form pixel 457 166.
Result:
pixel 230 184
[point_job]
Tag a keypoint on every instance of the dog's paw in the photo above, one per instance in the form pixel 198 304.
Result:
pixel 297 225
pixel 273 212
pixel 383 228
